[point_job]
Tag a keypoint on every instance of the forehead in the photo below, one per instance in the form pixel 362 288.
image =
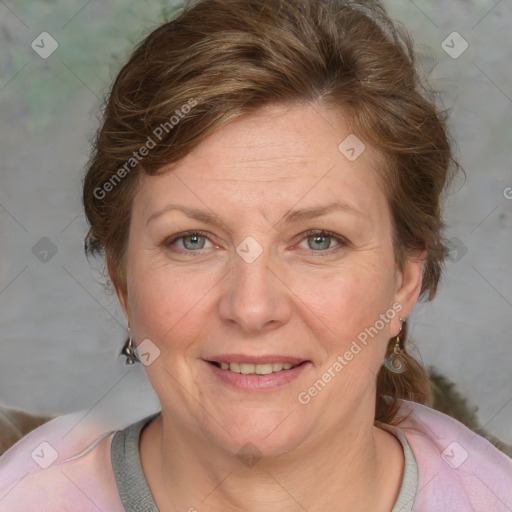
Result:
pixel 271 160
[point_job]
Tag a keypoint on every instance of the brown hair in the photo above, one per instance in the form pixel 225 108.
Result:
pixel 223 59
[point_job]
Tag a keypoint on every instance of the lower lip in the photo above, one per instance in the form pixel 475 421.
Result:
pixel 257 382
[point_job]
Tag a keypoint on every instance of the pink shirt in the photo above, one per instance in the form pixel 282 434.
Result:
pixel 66 465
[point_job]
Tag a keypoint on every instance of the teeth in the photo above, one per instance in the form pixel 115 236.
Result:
pixel 258 369
pixel 246 369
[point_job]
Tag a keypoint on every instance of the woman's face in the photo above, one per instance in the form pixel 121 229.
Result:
pixel 260 282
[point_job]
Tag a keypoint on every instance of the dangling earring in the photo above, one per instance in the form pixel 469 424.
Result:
pixel 395 362
pixel 129 351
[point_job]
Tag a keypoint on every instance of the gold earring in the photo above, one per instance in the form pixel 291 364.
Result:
pixel 395 362
pixel 129 351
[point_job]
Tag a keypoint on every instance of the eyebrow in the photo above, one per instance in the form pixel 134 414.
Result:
pixel 289 218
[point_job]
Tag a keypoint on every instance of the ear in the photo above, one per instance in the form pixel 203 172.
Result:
pixel 409 280
pixel 120 291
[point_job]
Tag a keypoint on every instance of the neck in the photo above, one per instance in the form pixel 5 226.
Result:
pixel 356 468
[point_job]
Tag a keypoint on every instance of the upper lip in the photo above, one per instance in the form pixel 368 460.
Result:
pixel 244 358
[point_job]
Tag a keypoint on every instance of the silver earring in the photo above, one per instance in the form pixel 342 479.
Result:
pixel 129 351
pixel 395 362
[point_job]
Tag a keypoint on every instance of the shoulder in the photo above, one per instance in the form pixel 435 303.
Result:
pixel 63 463
pixel 458 469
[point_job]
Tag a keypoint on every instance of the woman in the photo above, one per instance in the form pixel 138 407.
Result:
pixel 266 190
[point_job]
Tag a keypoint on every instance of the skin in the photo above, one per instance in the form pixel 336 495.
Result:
pixel 304 297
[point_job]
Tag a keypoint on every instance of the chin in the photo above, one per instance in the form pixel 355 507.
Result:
pixel 263 434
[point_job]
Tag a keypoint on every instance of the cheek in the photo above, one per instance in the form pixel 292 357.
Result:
pixel 352 315
pixel 348 301
pixel 166 304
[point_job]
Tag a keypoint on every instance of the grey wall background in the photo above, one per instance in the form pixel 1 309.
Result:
pixel 61 333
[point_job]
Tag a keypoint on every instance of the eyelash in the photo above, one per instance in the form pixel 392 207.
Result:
pixel 315 232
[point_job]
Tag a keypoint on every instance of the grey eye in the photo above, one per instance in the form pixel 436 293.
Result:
pixel 319 242
pixel 192 242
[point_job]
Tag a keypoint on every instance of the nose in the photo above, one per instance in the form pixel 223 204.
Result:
pixel 255 299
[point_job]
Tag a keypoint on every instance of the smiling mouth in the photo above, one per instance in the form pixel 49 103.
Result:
pixel 255 369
